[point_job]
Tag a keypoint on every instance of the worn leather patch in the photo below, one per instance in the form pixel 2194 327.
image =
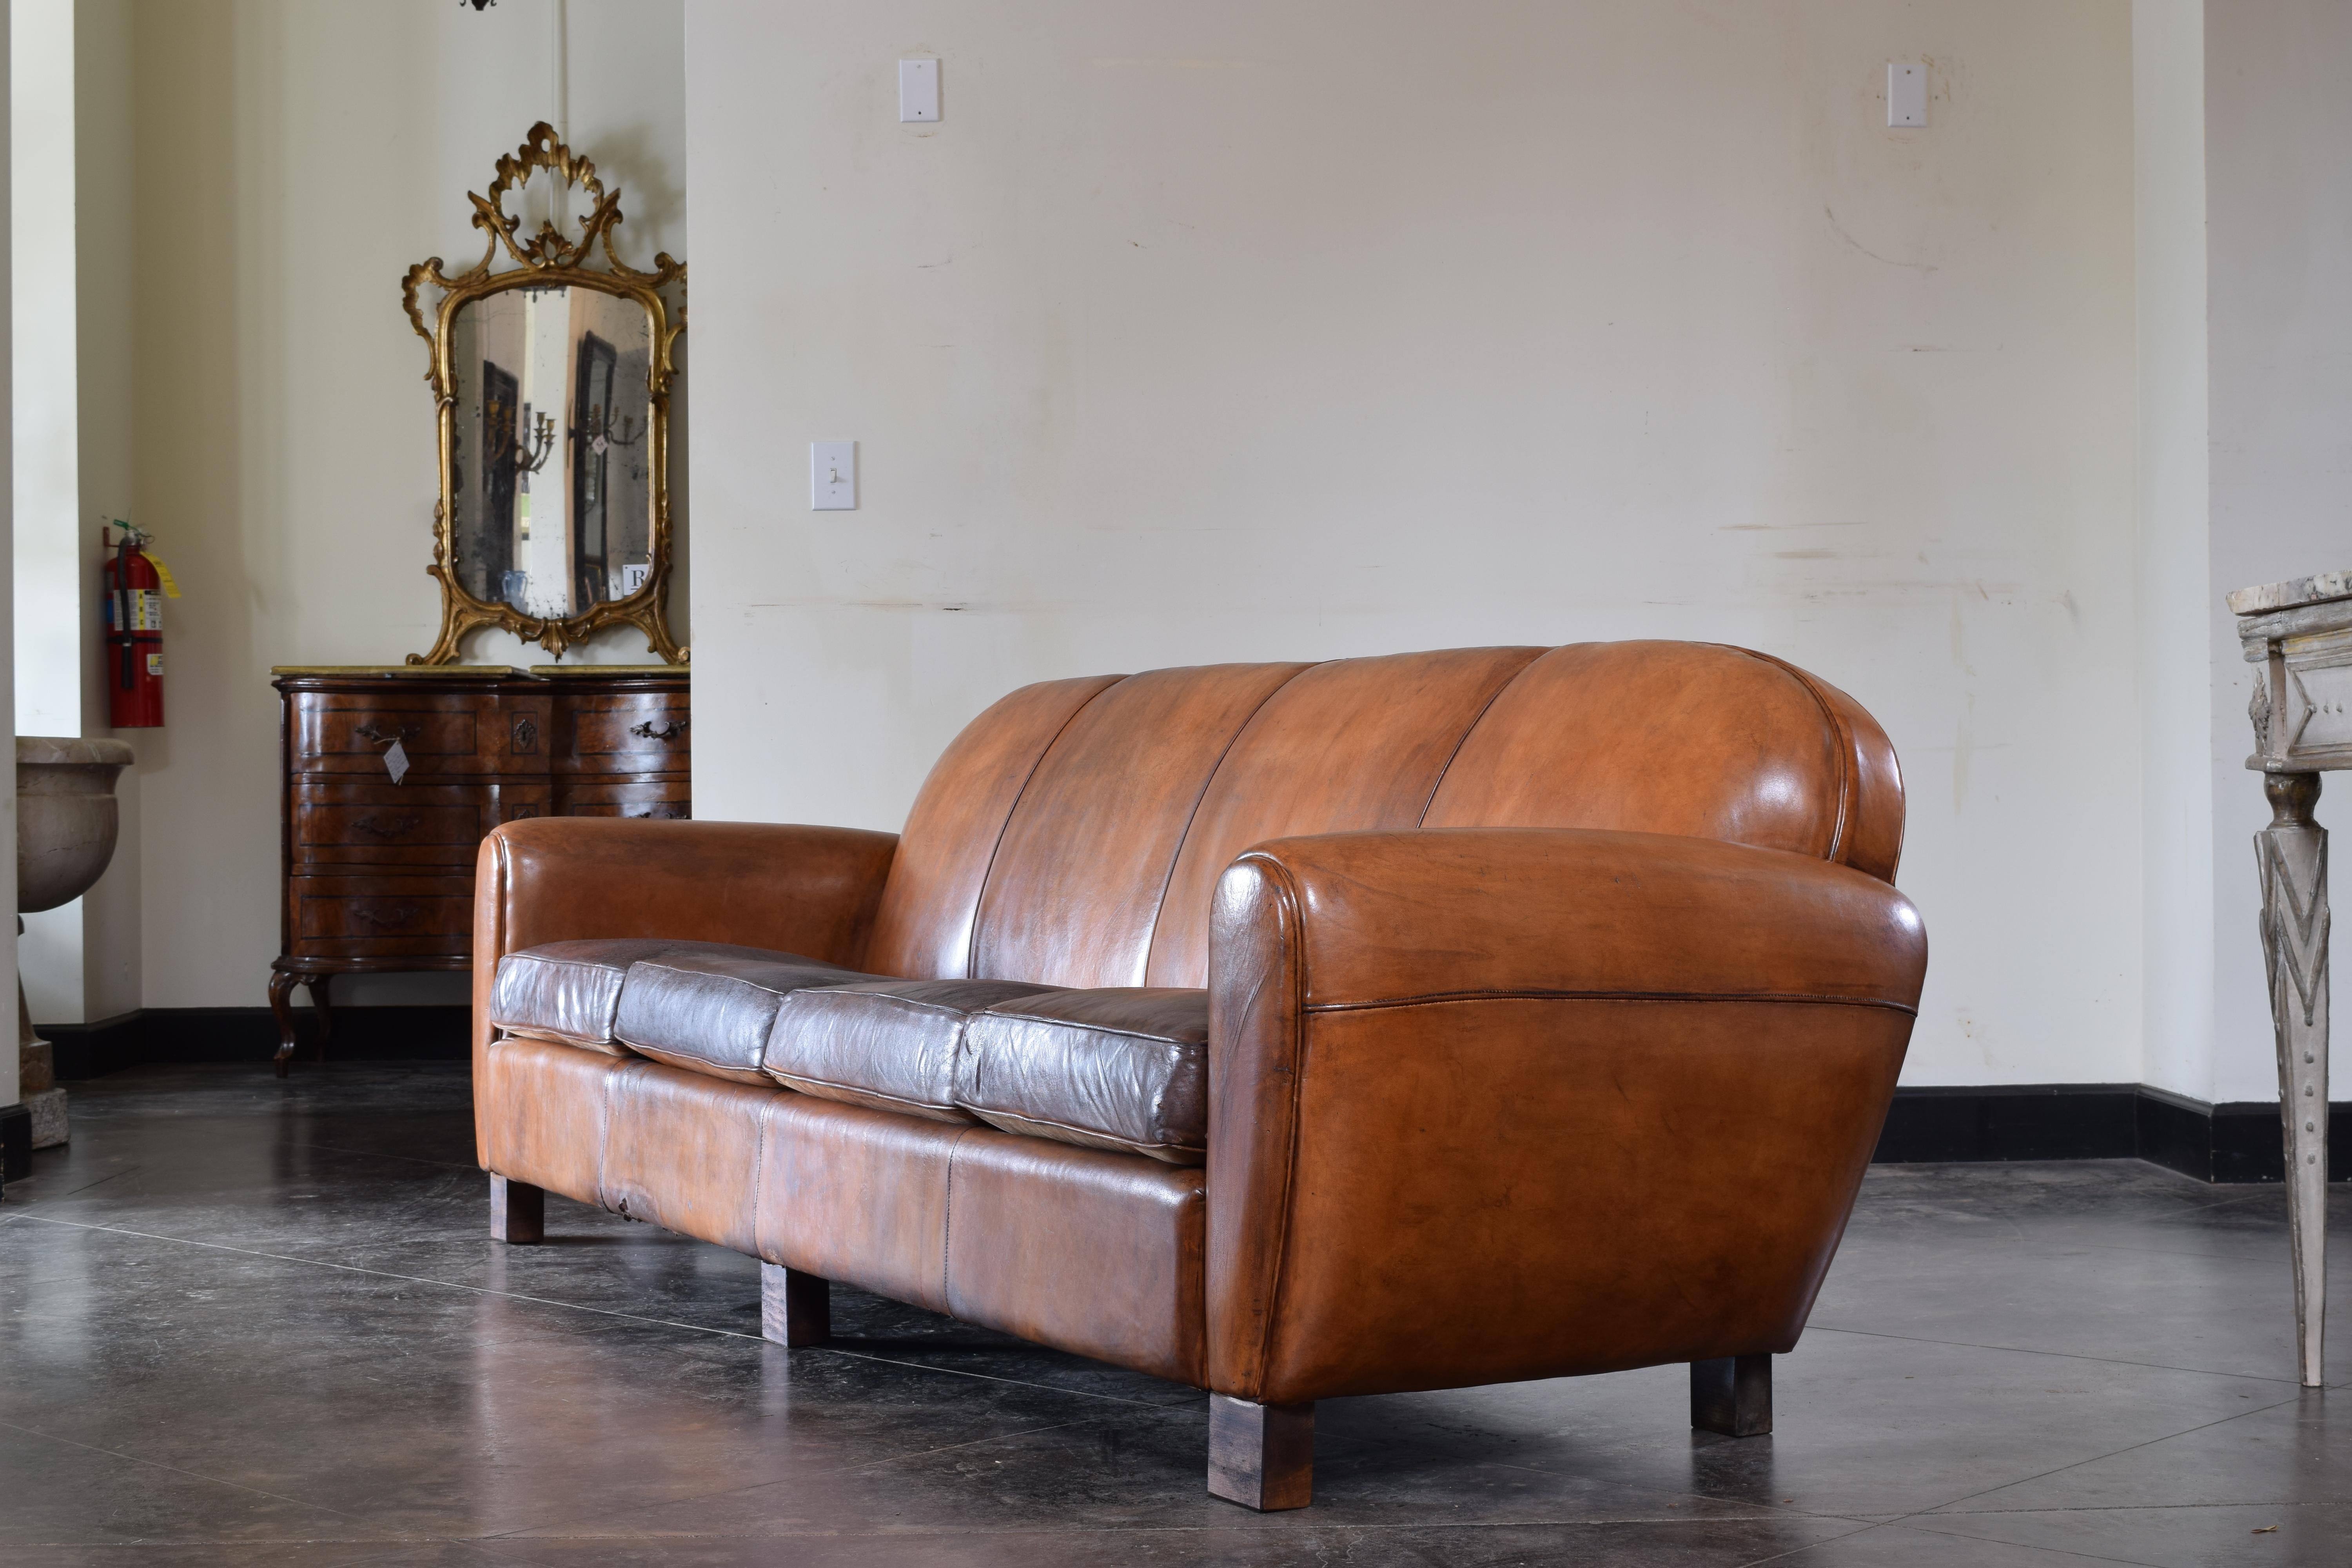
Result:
pixel 888 1045
pixel 711 1011
pixel 1125 1068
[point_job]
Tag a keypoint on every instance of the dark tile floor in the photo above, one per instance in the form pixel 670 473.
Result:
pixel 248 1323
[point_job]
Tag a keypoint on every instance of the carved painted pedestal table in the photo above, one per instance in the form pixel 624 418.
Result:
pixel 2300 634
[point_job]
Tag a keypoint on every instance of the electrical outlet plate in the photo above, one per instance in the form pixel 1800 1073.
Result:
pixel 919 91
pixel 833 476
pixel 1907 93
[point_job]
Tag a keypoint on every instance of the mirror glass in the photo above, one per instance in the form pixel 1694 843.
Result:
pixel 551 499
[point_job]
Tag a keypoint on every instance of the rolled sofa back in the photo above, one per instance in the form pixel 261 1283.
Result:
pixel 1073 834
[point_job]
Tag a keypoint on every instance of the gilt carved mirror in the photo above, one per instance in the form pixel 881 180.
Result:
pixel 551 376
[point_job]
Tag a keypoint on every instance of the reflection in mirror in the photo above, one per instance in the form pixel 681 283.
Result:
pixel 552 499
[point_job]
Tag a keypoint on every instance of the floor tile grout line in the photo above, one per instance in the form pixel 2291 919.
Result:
pixel 1262 1527
pixel 989 1377
pixel 522 1531
pixel 1814 1545
pixel 1890 1523
pixel 192 1475
pixel 1935 1511
pixel 86 1186
pixel 580 1307
pixel 2134 1508
pixel 2054 1355
pixel 2095 1459
pixel 378 1155
pixel 2123 1507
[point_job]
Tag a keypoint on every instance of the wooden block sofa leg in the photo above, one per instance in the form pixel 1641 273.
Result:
pixel 795 1309
pixel 518 1212
pixel 1261 1456
pixel 1732 1395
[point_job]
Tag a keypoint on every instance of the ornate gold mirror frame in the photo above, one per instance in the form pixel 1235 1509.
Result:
pixel 549 260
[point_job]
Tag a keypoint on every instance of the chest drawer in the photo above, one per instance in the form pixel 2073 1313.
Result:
pixel 351 822
pixel 460 735
pixel 624 733
pixel 380 916
pixel 664 799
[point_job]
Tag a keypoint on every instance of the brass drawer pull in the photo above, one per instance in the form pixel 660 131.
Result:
pixel 399 826
pixel 666 734
pixel 369 732
pixel 399 917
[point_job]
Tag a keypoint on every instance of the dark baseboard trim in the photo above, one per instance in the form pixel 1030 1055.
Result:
pixel 2229 1143
pixel 2235 1141
pixel 16 1143
pixel 181 1035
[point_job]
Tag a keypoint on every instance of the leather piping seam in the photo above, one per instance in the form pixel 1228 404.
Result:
pixel 1100 1032
pixel 702 1067
pixel 486 1113
pixel 1135 1145
pixel 605 1130
pixel 947 1229
pixel 799 1084
pixel 1176 855
pixel 1463 739
pixel 1842 743
pixel 1534 993
pixel 759 1169
pixel 552 1034
pixel 980 901
pixel 1294 992
pixel 882 998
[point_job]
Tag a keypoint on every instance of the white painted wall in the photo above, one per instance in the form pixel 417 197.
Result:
pixel 1225 330
pixel 50 624
pixel 106 256
pixel 2178 597
pixel 2277 124
pixel 293 160
pixel 9 1091
pixel 72 365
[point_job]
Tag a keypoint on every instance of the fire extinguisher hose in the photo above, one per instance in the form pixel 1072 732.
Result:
pixel 122 608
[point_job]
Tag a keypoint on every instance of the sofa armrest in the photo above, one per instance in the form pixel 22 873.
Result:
pixel 1500 1103
pixel 810 891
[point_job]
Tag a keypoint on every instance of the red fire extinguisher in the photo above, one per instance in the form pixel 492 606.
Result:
pixel 136 586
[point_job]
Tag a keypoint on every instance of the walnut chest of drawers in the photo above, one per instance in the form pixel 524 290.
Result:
pixel 377 843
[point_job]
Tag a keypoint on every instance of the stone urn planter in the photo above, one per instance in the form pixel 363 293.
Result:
pixel 67 819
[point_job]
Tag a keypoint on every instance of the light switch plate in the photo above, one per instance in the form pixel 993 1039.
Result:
pixel 833 476
pixel 1907 93
pixel 918 90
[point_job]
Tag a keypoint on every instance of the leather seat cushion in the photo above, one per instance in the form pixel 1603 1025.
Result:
pixel 710 1010
pixel 568 991
pixel 888 1045
pixel 1125 1068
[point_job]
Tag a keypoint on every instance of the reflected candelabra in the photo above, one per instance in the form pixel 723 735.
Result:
pixel 602 431
pixel 500 445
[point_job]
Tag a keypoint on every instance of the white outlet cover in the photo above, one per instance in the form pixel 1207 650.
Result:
pixel 833 476
pixel 919 91
pixel 1907 93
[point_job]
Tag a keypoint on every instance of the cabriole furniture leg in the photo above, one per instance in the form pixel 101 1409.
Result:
pixel 319 985
pixel 2293 855
pixel 1261 1456
pixel 281 1008
pixel 795 1309
pixel 518 1212
pixel 1733 1396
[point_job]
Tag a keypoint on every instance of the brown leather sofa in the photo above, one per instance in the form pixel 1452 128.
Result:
pixel 1286 1030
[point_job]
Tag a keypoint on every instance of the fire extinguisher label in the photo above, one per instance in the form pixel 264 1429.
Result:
pixel 146 610
pixel 155 665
